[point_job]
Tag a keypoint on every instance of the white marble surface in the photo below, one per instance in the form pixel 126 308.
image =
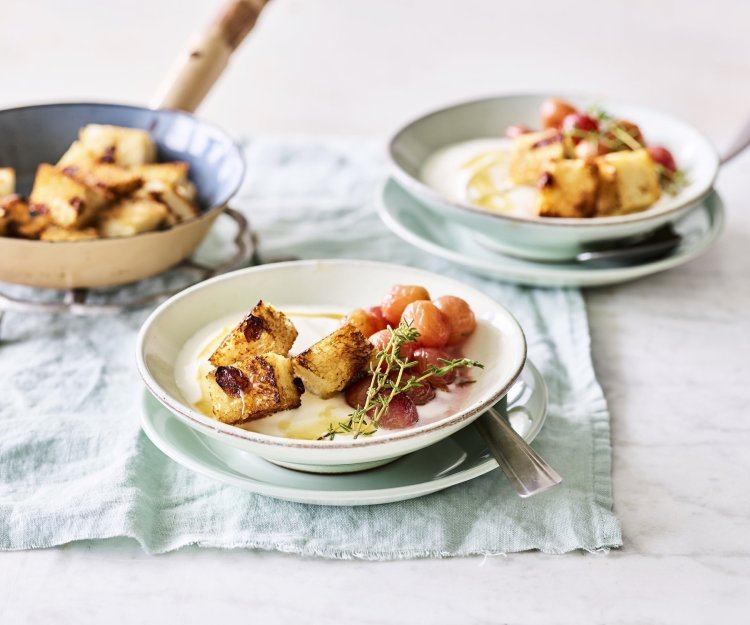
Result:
pixel 671 351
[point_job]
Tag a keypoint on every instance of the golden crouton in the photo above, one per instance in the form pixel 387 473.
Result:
pixel 532 153
pixel 70 202
pixel 83 165
pixel 568 188
pixel 129 217
pixel 114 144
pixel 170 174
pixel 608 198
pixel 77 155
pixel 7 181
pixel 253 388
pixel 636 178
pixel 181 208
pixel 56 233
pixel 21 220
pixel 333 362
pixel 264 330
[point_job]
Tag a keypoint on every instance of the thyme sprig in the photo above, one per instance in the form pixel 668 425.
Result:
pixel 390 378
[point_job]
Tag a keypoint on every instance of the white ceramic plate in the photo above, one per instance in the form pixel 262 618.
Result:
pixel 498 342
pixel 438 235
pixel 456 459
pixel 548 238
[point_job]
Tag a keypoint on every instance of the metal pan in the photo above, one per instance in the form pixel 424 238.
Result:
pixel 40 134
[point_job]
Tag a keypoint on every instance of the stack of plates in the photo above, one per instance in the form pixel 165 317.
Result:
pixel 537 250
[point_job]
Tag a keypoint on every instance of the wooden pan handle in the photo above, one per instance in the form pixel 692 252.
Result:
pixel 201 65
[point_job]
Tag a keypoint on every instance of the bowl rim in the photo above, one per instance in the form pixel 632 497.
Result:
pixel 421 190
pixel 206 424
pixel 214 207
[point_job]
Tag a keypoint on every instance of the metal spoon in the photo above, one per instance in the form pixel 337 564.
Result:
pixel 527 471
pixel 657 244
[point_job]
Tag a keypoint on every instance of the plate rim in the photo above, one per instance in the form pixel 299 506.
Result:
pixel 548 273
pixel 323 497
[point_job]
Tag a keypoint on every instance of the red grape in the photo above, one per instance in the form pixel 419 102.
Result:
pixel 380 341
pixel 399 297
pixel 422 394
pixel 428 356
pixel 577 123
pixel 459 315
pixel 366 322
pixel 433 326
pixel 356 394
pixel 401 413
pixel 553 111
pixel 377 314
pixel 663 157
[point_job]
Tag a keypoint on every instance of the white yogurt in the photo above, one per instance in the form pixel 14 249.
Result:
pixel 313 417
pixel 476 172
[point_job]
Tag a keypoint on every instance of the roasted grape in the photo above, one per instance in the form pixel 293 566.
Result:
pixel 422 394
pixel 663 157
pixel 356 394
pixel 460 316
pixel 380 341
pixel 554 111
pixel 427 319
pixel 427 357
pixel 401 413
pixel 577 125
pixel 399 297
pixel 365 321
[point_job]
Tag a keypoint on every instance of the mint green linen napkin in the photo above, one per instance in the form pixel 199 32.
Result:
pixel 74 464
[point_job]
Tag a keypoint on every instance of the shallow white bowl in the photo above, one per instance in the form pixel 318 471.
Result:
pixel 548 238
pixel 498 342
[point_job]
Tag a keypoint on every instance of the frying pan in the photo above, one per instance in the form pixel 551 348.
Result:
pixel 40 134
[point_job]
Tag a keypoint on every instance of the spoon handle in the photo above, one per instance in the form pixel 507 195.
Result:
pixel 740 144
pixel 527 471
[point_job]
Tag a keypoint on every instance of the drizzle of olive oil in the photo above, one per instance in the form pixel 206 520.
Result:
pixel 316 315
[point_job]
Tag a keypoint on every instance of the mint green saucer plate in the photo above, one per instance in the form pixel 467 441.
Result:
pixel 432 232
pixel 458 458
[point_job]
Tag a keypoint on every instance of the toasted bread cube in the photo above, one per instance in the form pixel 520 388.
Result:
pixel 608 198
pixel 181 208
pixel 568 188
pixel 187 190
pixel 131 216
pixel 264 330
pixel 126 147
pixel 253 388
pixel 77 155
pixel 532 153
pixel 170 174
pixel 636 178
pixel 329 365
pixel 83 165
pixel 70 202
pixel 7 181
pixel 22 220
pixel 56 233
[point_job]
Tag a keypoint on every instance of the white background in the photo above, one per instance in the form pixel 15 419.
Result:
pixel 671 351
